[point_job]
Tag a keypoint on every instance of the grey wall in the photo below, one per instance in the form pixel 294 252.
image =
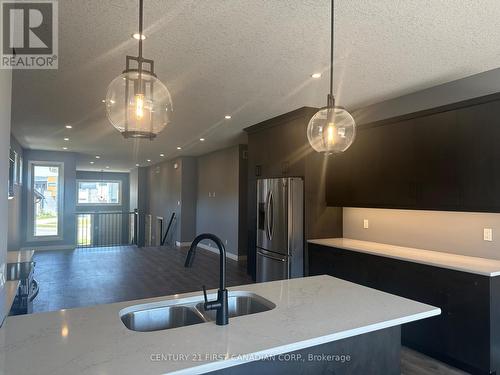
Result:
pixel 455 232
pixel 182 186
pixel 5 105
pixel 218 195
pixel 69 205
pixel 243 201
pixel 134 188
pixel 164 194
pixel 15 206
pixel 114 176
pixel 470 87
pixel 189 171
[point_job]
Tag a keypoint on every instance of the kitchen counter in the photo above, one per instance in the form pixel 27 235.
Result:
pixel 7 294
pixel 309 311
pixel 20 256
pixel 476 265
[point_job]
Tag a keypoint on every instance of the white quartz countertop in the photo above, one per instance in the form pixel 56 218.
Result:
pixel 7 294
pixel 20 256
pixel 480 266
pixel 309 311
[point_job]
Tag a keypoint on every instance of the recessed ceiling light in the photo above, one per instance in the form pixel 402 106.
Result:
pixel 104 100
pixel 162 155
pixel 64 148
pixel 66 139
pixel 97 157
pixel 91 162
pixel 69 127
pixel 136 36
pixel 137 165
pixel 227 117
pixel 202 139
pixel 107 166
pixel 149 160
pixel 179 148
pixel 316 75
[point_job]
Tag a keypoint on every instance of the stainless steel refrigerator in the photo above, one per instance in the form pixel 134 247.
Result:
pixel 280 228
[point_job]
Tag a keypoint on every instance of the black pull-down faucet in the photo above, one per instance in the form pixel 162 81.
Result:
pixel 221 304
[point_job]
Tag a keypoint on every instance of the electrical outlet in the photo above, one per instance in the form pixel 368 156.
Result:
pixel 366 224
pixel 488 234
pixel 226 242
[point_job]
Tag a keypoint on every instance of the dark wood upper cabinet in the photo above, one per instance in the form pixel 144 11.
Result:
pixel 479 156
pixel 446 158
pixel 437 168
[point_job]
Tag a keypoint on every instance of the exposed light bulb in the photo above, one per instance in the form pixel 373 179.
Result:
pixel 139 106
pixel 330 134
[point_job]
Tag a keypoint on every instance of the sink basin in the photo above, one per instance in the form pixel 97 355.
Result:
pixel 160 318
pixel 239 305
pixel 189 311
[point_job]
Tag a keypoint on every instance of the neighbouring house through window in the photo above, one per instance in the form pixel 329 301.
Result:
pixel 46 202
pixel 99 192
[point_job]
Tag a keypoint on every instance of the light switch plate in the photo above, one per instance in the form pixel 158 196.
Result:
pixel 488 234
pixel 366 224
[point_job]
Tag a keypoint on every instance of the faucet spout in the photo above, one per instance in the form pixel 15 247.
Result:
pixel 221 304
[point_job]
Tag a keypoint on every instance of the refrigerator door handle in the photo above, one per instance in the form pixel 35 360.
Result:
pixel 273 258
pixel 271 215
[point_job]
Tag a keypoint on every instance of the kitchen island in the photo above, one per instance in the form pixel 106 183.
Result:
pixel 321 321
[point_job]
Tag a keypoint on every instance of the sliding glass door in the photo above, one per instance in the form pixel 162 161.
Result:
pixel 45 210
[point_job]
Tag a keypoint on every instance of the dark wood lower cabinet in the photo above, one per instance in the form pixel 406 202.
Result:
pixel 465 335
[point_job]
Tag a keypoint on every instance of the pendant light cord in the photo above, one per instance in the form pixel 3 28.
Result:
pixel 139 68
pixel 331 98
pixel 141 7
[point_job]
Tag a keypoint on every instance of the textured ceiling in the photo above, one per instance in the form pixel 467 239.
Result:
pixel 248 58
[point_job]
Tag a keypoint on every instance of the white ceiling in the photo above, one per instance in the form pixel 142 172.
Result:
pixel 248 58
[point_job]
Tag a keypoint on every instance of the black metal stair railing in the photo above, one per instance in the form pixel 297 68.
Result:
pixel 99 229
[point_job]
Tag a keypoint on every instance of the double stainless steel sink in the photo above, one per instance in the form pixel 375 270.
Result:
pixel 189 311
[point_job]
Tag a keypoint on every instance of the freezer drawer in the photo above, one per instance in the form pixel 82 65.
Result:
pixel 272 266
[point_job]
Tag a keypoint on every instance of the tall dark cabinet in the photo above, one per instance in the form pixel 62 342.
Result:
pixel 278 147
pixel 445 158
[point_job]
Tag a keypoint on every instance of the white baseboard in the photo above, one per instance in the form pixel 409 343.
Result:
pixel 228 254
pixel 182 244
pixel 48 248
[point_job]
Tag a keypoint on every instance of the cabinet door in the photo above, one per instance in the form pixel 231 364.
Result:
pixel 365 168
pixel 377 170
pixel 479 159
pixel 436 145
pixel 339 180
pixel 397 160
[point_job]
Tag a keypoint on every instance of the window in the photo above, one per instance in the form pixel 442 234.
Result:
pixel 99 192
pixel 46 202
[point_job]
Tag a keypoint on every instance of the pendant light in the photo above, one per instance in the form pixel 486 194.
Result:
pixel 138 104
pixel 332 129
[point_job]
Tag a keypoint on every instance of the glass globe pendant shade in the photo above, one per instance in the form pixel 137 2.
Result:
pixel 138 105
pixel 331 130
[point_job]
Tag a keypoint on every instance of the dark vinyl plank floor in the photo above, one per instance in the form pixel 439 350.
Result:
pixel 85 277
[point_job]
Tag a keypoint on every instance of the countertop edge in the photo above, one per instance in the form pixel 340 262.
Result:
pixel 393 256
pixel 219 365
pixel 10 290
